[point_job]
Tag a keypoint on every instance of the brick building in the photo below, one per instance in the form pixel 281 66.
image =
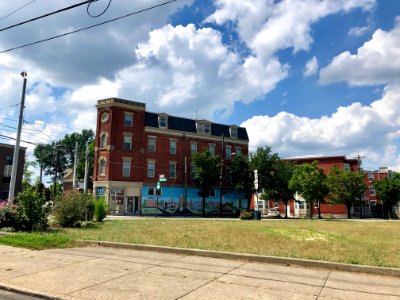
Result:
pixel 6 161
pixel 135 148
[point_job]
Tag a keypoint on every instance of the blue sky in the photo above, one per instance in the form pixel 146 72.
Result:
pixel 306 77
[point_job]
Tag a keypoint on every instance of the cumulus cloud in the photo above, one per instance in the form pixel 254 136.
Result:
pixel 371 130
pixel 376 62
pixel 311 67
pixel 358 31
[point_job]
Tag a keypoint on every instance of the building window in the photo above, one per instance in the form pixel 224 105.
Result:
pixel 102 167
pixel 207 128
pixel 126 167
pixel 203 127
pixel 238 151
pixel 193 148
pixel 228 176
pixel 162 121
pixel 151 144
pixel 127 142
pixel 212 150
pixel 233 131
pixel 200 127
pixel 151 191
pixel 172 170
pixel 370 176
pixel 172 147
pixel 9 160
pixel 228 152
pixel 151 165
pixel 192 172
pixel 372 190
pixel 128 119
pixel 103 140
pixel 346 167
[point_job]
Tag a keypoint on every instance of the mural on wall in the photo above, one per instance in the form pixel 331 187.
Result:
pixel 172 202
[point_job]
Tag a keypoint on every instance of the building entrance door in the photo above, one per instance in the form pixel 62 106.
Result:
pixel 132 205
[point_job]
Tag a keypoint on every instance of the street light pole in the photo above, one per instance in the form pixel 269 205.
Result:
pixel 17 142
pixel 221 178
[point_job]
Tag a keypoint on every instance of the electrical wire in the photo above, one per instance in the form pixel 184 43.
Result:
pixel 89 27
pixel 18 9
pixel 48 14
pixel 11 138
pixel 39 130
pixel 9 106
pixel 100 14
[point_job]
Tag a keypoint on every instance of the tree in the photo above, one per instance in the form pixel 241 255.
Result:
pixel 263 160
pixel 206 175
pixel 388 192
pixel 242 177
pixel 281 191
pixel 345 186
pixel 58 156
pixel 310 182
pixel 27 177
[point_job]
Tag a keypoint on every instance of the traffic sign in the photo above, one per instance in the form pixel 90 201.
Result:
pixel 162 178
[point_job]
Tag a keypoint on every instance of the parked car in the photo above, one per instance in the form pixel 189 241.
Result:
pixel 273 212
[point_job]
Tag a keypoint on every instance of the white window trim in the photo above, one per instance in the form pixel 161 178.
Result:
pixel 123 166
pixel 128 114
pixel 166 120
pixel 148 143
pixel 154 169
pixel 102 158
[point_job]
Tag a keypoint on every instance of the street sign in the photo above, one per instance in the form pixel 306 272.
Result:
pixel 162 178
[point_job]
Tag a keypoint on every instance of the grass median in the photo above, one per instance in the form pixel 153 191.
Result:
pixel 375 243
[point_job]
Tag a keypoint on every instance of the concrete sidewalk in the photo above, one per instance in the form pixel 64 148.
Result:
pixel 109 273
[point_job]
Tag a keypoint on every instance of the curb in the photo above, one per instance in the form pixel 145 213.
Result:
pixel 254 258
pixel 27 292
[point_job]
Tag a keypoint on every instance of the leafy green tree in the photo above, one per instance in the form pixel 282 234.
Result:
pixel 281 191
pixel 388 192
pixel 27 177
pixel 56 157
pixel 263 160
pixel 206 175
pixel 345 186
pixel 243 177
pixel 310 182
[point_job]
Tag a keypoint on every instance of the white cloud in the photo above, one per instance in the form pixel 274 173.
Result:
pixel 376 62
pixel 370 130
pixel 358 31
pixel 311 67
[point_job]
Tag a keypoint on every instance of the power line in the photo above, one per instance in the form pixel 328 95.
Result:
pixel 9 106
pixel 11 138
pixel 48 14
pixel 18 9
pixel 41 131
pixel 89 27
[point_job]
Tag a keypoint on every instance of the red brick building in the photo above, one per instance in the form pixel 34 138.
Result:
pixel 6 162
pixel 135 149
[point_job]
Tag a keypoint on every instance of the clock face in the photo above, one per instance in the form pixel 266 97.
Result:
pixel 104 117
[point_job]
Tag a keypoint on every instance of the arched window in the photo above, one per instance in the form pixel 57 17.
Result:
pixel 103 140
pixel 102 166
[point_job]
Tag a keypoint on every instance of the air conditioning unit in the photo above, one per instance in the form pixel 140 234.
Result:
pixel 7 170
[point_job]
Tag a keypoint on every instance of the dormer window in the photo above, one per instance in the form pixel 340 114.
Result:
pixel 233 132
pixel 203 127
pixel 163 121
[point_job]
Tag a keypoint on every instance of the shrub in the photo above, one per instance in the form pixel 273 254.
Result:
pixel 32 210
pixel 73 209
pixel 247 215
pixel 100 209
pixel 8 215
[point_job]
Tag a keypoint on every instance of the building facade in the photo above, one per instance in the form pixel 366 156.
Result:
pixel 136 149
pixel 6 163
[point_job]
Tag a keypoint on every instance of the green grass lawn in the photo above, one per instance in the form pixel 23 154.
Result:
pixel 368 243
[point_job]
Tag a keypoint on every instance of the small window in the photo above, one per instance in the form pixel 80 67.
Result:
pixel 127 142
pixel 151 169
pixel 128 119
pixel 172 170
pixel 233 131
pixel 207 128
pixel 126 167
pixel 200 127
pixel 370 176
pixel 346 167
pixel 172 147
pixel 193 148
pixel 9 160
pixel 192 172
pixel 212 150
pixel 103 140
pixel 372 203
pixel 102 167
pixel 151 144
pixel 162 121
pixel 151 191
pixel 228 152
pixel 372 190
pixel 238 151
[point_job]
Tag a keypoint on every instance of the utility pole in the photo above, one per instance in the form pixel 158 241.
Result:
pixel 85 182
pixel 75 165
pixel 186 180
pixel 221 177
pixel 17 142
pixel 55 172
pixel 41 165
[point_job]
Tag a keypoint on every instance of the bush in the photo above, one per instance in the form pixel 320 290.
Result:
pixel 73 209
pixel 8 215
pixel 32 210
pixel 100 209
pixel 247 215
